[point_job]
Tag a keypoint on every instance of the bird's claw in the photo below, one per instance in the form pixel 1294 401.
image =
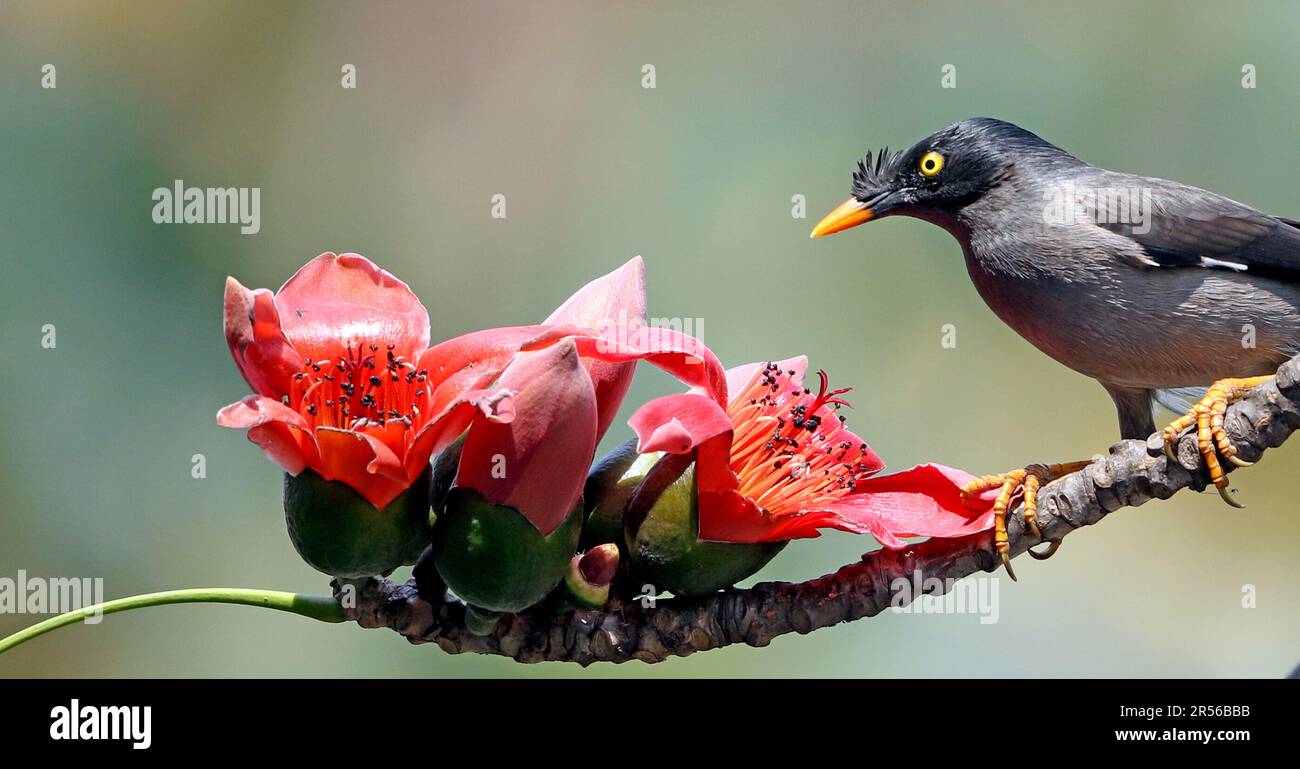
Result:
pixel 1052 546
pixel 1026 480
pixel 1227 497
pixel 1006 564
pixel 1211 438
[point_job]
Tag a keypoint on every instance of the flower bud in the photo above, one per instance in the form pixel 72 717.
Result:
pixel 609 486
pixel 337 531
pixel 590 574
pixel 495 559
pixel 662 527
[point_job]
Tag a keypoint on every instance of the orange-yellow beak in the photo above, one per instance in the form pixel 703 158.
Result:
pixel 850 213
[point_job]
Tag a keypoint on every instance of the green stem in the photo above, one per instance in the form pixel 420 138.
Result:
pixel 323 608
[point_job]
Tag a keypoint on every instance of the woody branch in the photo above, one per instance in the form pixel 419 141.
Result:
pixel 1133 473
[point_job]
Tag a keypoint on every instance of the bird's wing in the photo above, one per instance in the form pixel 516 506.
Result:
pixel 1175 225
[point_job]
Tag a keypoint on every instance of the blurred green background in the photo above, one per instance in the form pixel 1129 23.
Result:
pixel 542 102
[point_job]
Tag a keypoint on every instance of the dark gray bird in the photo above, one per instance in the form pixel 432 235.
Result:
pixel 1156 289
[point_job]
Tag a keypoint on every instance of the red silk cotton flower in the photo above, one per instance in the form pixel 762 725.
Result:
pixel 347 385
pixel 777 463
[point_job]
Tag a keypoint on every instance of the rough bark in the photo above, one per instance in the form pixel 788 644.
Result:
pixel 1133 473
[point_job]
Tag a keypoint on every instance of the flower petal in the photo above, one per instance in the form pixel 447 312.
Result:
pixel 496 405
pixel 614 303
pixel 290 448
pixel 253 410
pixel 278 430
pixel 681 355
pixel 924 501
pixel 536 463
pixel 739 377
pixel 472 361
pixel 257 343
pixel 333 300
pixel 726 515
pixel 618 297
pixel 678 423
pixel 362 462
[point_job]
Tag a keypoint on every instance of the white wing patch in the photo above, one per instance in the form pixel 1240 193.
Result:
pixel 1220 264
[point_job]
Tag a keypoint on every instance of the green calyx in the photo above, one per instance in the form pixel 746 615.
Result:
pixel 338 532
pixel 609 487
pixel 493 558
pixel 665 547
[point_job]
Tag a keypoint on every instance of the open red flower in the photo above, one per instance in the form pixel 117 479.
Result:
pixel 339 361
pixel 777 463
pixel 347 385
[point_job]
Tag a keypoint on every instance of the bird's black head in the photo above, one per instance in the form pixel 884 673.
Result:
pixel 939 175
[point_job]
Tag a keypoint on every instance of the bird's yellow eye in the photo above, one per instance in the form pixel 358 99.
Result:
pixel 931 163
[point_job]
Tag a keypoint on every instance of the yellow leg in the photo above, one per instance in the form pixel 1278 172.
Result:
pixel 1211 439
pixel 1029 479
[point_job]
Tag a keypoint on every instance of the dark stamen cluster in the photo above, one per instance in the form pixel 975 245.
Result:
pixel 362 388
pixel 813 458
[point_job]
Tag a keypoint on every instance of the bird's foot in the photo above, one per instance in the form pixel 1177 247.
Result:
pixel 1026 481
pixel 1211 439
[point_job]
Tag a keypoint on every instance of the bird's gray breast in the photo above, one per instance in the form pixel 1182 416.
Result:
pixel 1073 290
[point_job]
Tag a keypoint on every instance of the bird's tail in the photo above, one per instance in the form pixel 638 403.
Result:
pixel 1180 400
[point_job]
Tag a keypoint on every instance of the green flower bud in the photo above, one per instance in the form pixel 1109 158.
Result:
pixel 609 487
pixel 662 527
pixel 590 574
pixel 493 558
pixel 338 532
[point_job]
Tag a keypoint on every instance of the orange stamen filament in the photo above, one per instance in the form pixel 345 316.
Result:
pixel 361 390
pixel 788 448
